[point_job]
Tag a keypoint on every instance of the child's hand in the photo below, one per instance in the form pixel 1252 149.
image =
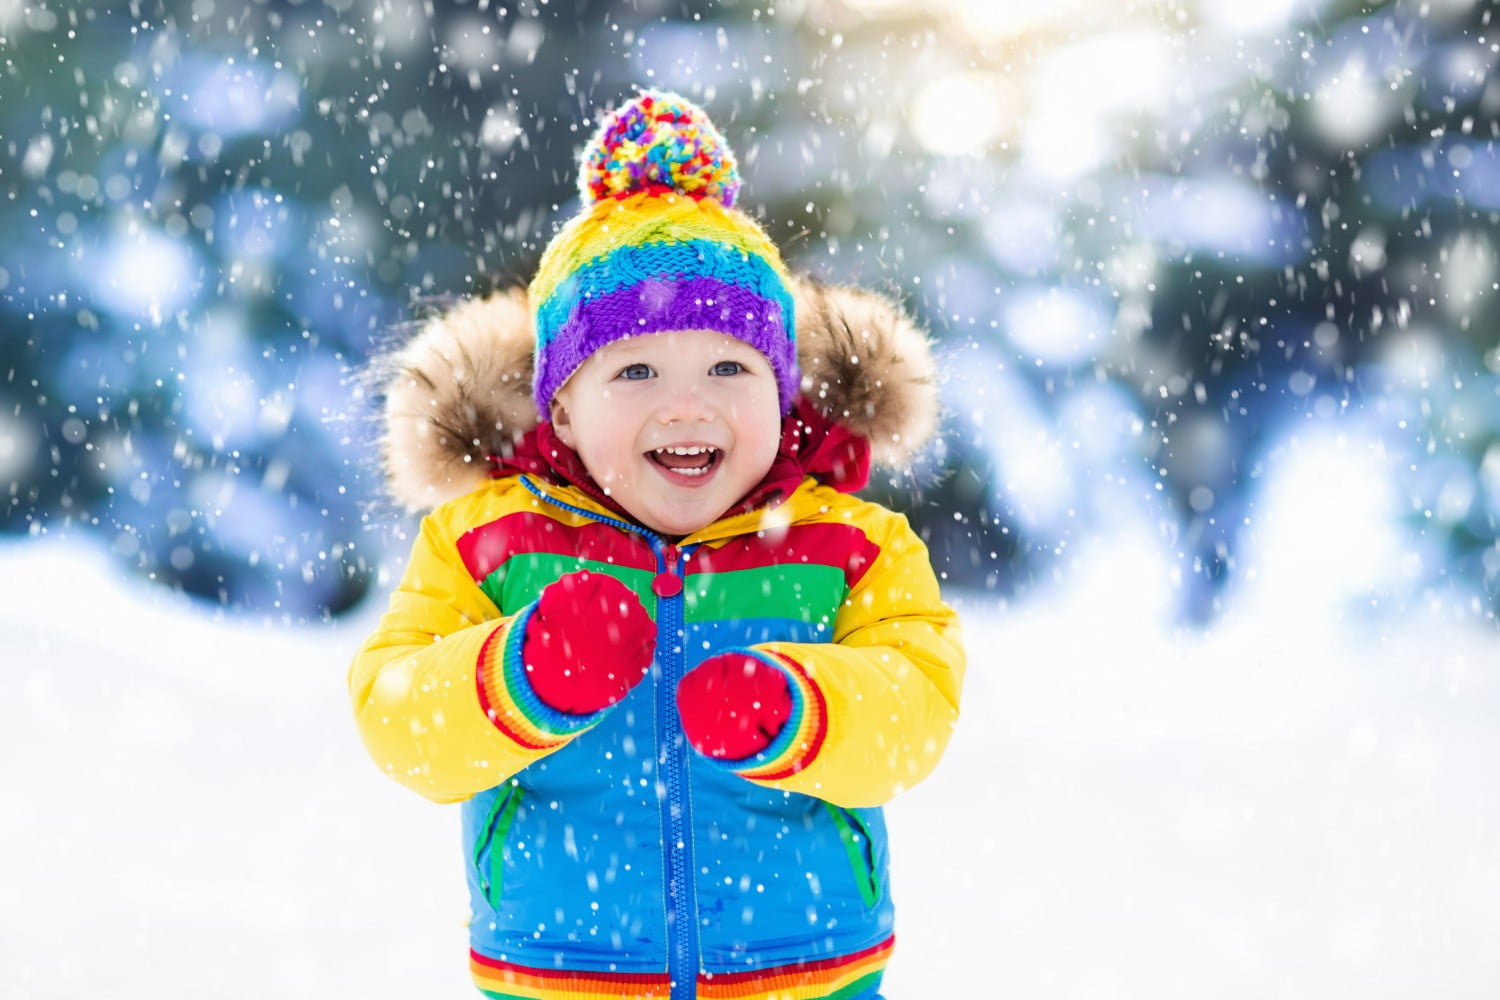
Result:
pixel 588 642
pixel 733 706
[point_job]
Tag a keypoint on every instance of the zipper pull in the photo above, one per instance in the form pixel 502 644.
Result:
pixel 667 583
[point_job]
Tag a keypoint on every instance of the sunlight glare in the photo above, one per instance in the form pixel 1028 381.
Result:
pixel 1077 91
pixel 962 115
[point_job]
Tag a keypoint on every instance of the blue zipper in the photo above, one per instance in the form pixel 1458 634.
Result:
pixel 676 804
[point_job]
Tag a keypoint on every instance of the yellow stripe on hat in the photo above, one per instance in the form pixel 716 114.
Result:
pixel 645 218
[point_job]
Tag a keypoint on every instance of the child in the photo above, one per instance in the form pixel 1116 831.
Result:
pixel 671 668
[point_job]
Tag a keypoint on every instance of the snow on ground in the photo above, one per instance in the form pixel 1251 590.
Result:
pixel 1283 806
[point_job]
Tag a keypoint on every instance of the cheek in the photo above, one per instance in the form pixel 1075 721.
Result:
pixel 762 430
pixel 608 450
pixel 767 447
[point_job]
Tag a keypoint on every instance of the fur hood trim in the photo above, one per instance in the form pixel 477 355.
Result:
pixel 460 390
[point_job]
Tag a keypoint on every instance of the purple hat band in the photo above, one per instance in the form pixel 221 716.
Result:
pixel 658 305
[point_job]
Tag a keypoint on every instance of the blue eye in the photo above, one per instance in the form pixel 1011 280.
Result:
pixel 728 368
pixel 636 372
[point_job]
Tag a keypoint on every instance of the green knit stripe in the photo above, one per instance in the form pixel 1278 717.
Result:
pixel 790 591
pixel 519 580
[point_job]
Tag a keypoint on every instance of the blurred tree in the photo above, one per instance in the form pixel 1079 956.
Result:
pixel 1151 243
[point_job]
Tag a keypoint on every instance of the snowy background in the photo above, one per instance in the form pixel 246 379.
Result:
pixel 1126 810
pixel 1214 287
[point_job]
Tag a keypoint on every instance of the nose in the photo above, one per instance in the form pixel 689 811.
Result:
pixel 685 404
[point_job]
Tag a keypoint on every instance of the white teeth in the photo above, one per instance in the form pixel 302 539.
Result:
pixel 691 450
pixel 688 451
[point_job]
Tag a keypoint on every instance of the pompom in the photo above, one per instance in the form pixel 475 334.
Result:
pixel 658 141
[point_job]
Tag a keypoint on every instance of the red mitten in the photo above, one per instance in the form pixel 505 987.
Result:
pixel 733 706
pixel 588 642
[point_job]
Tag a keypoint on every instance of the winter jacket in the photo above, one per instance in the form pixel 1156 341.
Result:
pixel 606 858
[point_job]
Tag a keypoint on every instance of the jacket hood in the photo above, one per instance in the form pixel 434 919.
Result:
pixel 458 394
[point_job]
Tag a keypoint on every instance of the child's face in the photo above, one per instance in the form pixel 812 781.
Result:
pixel 694 390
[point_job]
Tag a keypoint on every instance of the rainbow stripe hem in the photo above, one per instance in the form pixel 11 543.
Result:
pixel 843 978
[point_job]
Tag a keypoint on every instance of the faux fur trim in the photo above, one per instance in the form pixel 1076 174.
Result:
pixel 460 390
pixel 867 365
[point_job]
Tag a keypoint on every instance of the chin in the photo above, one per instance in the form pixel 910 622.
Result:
pixel 680 524
pixel 678 529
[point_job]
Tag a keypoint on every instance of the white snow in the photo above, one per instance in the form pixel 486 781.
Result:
pixel 1281 806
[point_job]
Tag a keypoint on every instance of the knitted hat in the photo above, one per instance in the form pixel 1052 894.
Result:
pixel 659 246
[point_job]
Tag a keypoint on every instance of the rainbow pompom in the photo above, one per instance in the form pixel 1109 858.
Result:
pixel 658 141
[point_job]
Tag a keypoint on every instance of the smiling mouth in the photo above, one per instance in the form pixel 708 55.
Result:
pixel 691 461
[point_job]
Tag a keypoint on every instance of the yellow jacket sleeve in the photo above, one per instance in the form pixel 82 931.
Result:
pixel 887 687
pixel 430 691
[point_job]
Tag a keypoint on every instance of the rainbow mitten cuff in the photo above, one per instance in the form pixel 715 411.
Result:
pixel 801 737
pixel 659 246
pixel 506 697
